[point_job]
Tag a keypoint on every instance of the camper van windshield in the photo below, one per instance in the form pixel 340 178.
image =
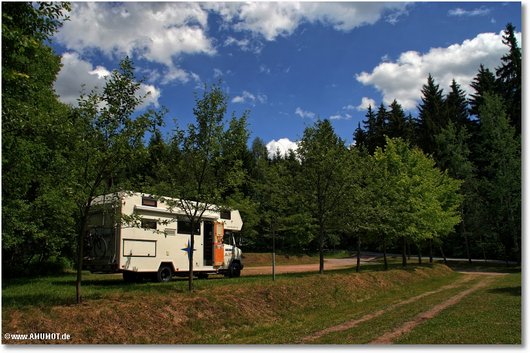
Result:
pixel 228 238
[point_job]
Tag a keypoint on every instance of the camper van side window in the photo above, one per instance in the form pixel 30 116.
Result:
pixel 184 227
pixel 148 224
pixel 149 201
pixel 226 214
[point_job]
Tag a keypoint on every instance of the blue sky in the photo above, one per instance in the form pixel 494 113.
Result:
pixel 288 63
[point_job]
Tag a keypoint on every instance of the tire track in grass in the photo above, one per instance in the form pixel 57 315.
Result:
pixel 350 324
pixel 390 336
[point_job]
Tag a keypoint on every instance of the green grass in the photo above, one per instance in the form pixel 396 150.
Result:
pixel 254 309
pixel 489 316
pixel 293 326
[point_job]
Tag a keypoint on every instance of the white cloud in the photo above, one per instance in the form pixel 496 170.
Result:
pixel 217 73
pixel 248 45
pixel 156 32
pixel 403 79
pixel 78 76
pixel 304 113
pixel 247 97
pixel 365 103
pixel 344 116
pixel 283 145
pixel 481 11
pixel 273 19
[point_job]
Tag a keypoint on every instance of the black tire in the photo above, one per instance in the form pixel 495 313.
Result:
pixel 130 277
pixel 234 270
pixel 202 275
pixel 164 273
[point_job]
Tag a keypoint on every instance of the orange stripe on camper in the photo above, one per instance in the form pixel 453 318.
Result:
pixel 218 248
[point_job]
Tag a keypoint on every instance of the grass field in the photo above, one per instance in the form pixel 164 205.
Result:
pixel 254 309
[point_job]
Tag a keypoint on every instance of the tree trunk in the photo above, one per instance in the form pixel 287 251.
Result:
pixel 273 253
pixel 358 268
pixel 463 230
pixel 384 255
pixel 83 227
pixel 483 250
pixel 407 244
pixel 419 254
pixel 190 257
pixel 321 250
pixel 404 252
pixel 430 251
pixel 443 254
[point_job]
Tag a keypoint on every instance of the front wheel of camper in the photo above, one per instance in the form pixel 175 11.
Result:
pixel 164 273
pixel 130 277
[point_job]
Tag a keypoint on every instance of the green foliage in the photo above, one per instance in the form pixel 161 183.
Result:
pixel 501 184
pixel 431 115
pixel 509 77
pixel 414 199
pixel 36 213
pixel 56 159
pixel 322 179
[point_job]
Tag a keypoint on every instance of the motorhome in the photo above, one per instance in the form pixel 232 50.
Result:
pixel 143 235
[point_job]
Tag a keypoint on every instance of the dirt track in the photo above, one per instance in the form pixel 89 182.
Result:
pixel 329 264
pixel 392 335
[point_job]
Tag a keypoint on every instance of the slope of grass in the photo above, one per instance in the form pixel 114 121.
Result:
pixel 255 310
pixel 244 310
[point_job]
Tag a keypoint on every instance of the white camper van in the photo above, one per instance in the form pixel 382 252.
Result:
pixel 140 235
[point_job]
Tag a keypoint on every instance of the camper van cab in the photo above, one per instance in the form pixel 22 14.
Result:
pixel 139 235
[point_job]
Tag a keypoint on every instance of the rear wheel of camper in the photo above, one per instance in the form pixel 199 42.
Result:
pixel 234 270
pixel 202 275
pixel 164 273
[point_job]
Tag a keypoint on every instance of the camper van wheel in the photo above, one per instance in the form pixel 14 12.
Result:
pixel 234 270
pixel 164 273
pixel 130 277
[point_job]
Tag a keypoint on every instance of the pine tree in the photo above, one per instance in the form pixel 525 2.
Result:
pixel 431 115
pixel 483 83
pixel 456 107
pixel 370 128
pixel 381 125
pixel 509 77
pixel 397 123
pixel 359 136
pixel 500 151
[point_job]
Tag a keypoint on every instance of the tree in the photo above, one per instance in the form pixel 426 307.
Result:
pixel 322 179
pixel 431 115
pixel 109 131
pixel 359 136
pixel 415 200
pixel 509 77
pixel 370 126
pixel 453 155
pixel 456 107
pixel 37 225
pixel 358 216
pixel 500 152
pixel 196 182
pixel 398 124
pixel 381 122
pixel 484 82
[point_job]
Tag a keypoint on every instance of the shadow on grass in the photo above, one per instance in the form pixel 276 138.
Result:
pixel 482 267
pixel 515 291
pixel 60 290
